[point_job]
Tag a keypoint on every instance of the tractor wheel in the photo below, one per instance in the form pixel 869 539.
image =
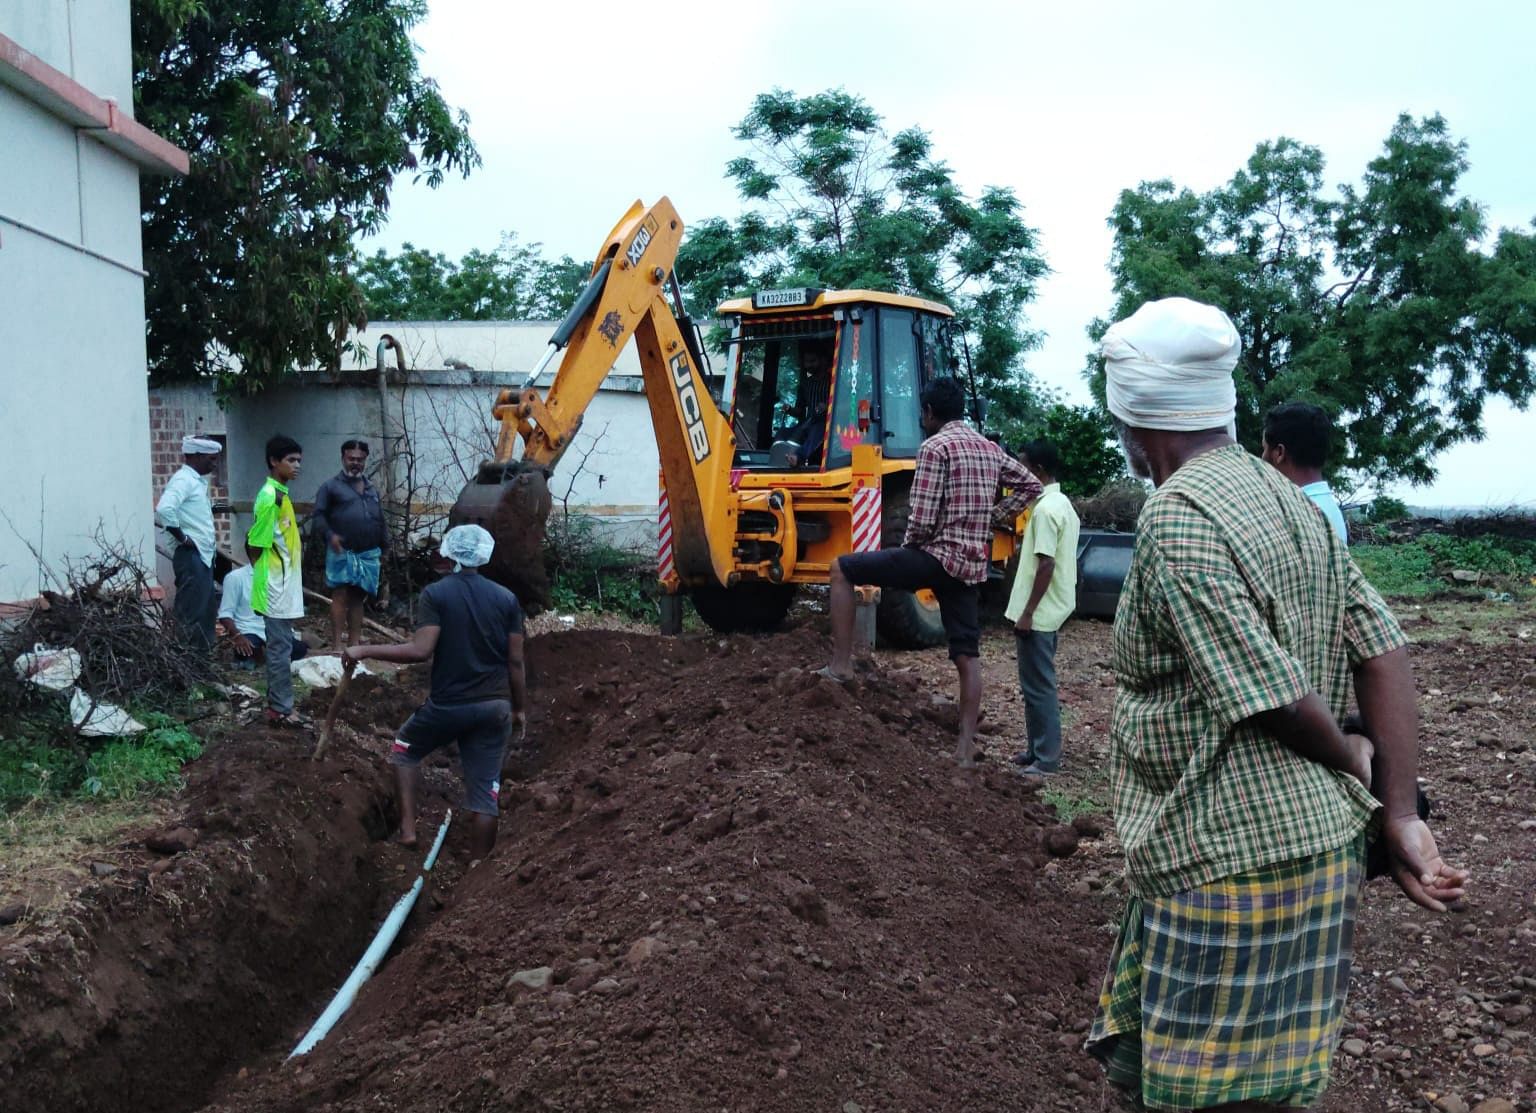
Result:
pixel 904 619
pixel 746 609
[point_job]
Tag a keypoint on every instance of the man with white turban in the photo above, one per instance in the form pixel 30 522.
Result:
pixel 1242 807
pixel 186 513
pixel 472 629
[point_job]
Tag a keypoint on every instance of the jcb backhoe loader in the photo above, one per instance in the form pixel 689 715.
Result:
pixel 813 458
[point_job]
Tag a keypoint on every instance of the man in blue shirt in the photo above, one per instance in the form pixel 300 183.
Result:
pixel 1296 440
pixel 349 519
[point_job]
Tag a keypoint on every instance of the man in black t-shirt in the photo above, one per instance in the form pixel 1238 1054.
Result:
pixel 472 629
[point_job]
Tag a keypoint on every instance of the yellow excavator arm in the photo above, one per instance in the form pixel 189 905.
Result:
pixel 627 296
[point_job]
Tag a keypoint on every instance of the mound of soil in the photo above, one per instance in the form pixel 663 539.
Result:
pixel 727 884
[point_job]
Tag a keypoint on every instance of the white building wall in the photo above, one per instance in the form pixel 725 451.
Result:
pixel 87 39
pixel 441 431
pixel 75 443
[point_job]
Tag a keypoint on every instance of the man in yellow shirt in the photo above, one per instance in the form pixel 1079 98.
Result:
pixel 1044 596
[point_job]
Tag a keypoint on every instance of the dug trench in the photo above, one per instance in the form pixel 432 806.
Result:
pixel 203 941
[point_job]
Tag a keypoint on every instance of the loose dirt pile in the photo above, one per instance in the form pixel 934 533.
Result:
pixel 724 883
pixel 731 885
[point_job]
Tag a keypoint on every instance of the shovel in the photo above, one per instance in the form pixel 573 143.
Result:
pixel 330 716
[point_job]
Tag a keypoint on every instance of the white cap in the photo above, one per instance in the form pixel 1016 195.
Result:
pixel 467 547
pixel 199 446
pixel 1169 366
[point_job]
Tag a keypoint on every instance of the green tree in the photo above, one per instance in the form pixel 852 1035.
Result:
pixel 298 114
pixel 1085 441
pixel 832 200
pixel 512 283
pixel 1385 304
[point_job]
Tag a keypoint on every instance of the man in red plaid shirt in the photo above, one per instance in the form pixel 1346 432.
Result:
pixel 954 505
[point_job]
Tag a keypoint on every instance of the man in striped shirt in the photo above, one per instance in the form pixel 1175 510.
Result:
pixel 954 506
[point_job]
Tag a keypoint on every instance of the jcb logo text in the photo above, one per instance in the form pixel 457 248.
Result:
pixel 688 399
pixel 641 241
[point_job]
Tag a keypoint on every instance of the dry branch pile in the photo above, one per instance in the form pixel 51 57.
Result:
pixel 104 607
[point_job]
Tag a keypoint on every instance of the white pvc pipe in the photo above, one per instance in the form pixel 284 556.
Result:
pixel 375 953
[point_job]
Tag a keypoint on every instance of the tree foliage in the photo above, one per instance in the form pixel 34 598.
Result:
pixel 514 282
pixel 1085 440
pixel 298 114
pixel 1386 304
pixel 834 201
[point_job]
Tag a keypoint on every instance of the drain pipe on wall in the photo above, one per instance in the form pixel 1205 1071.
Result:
pixel 375 953
pixel 387 436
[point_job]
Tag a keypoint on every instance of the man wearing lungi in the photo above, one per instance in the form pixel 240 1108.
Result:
pixel 349 518
pixel 1242 807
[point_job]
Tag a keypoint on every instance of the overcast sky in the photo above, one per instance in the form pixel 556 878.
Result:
pixel 578 108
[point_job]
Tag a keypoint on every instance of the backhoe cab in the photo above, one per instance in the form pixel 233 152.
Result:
pixel 811 458
pixel 823 395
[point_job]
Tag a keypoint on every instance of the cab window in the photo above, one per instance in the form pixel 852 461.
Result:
pixel 855 385
pixel 781 386
pixel 900 384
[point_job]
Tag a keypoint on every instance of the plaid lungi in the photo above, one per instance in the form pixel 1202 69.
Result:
pixel 1233 991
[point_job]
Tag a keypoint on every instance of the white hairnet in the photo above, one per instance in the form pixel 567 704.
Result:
pixel 199 446
pixel 467 547
pixel 1169 366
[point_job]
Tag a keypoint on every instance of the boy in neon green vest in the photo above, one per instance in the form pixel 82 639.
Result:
pixel 277 588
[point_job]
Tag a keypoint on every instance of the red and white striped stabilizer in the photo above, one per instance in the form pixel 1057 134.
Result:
pixel 866 519
pixel 666 567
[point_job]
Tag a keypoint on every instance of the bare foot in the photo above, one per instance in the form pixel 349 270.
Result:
pixel 405 840
pixel 965 755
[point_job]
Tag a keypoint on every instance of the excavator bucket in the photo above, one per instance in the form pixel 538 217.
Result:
pixel 512 502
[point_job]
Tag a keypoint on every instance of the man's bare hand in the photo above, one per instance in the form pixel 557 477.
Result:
pixel 1415 863
pixel 243 646
pixel 349 660
pixel 1025 624
pixel 520 725
pixel 1360 765
pixel 336 543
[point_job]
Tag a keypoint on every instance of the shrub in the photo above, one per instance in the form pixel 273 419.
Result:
pixel 1397 569
pixel 151 762
pixel 39 759
pixel 588 573
pixel 1384 508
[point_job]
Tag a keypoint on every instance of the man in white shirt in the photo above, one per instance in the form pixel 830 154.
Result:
pixel 1043 598
pixel 246 629
pixel 186 513
pixel 1296 441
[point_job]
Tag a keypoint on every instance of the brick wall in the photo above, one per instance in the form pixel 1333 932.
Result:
pixel 175 412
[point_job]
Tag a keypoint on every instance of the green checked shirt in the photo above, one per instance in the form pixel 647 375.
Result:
pixel 1240 599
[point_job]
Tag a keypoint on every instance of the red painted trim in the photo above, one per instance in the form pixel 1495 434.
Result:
pixel 72 102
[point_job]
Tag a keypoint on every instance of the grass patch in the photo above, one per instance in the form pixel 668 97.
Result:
pixel 586 573
pixel 47 845
pixel 1483 623
pixel 150 763
pixel 41 761
pixel 1420 567
pixel 1069 805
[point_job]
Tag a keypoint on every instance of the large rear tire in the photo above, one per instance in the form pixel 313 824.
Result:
pixel 903 619
pixel 753 608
